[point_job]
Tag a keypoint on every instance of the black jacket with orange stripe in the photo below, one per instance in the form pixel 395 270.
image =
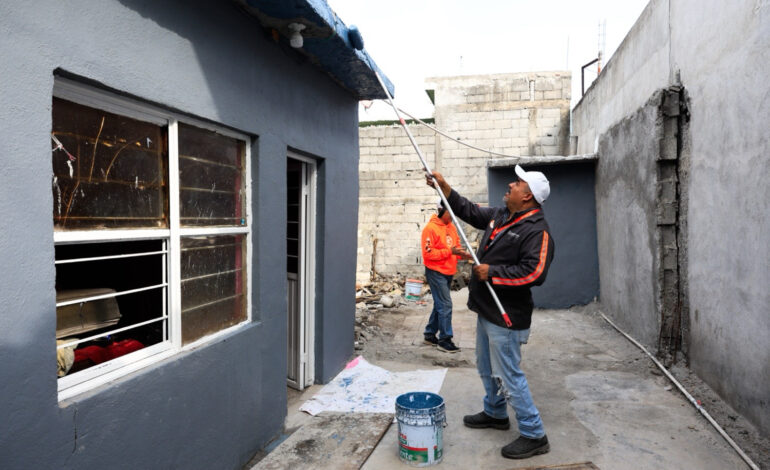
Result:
pixel 518 249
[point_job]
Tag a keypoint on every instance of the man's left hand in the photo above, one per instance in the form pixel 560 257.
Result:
pixel 481 271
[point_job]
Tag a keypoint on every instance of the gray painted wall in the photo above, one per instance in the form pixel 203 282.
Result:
pixel 214 406
pixel 625 205
pixel 721 55
pixel 573 278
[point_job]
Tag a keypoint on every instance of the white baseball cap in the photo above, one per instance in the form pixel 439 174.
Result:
pixel 537 182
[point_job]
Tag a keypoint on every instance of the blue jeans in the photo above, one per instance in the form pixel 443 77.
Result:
pixel 498 355
pixel 441 315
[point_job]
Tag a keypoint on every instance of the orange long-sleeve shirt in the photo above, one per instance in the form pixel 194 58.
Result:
pixel 438 239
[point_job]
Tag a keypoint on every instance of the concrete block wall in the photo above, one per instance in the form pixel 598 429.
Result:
pixel 394 201
pixel 516 114
pixel 513 114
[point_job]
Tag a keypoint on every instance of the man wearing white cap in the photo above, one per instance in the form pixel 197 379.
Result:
pixel 514 254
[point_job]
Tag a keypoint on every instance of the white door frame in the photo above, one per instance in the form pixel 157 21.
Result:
pixel 307 252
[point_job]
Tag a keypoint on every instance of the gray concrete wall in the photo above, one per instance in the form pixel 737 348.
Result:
pixel 625 220
pixel 573 277
pixel 213 406
pixel 719 53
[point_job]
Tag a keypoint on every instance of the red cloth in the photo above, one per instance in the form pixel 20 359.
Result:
pixel 99 354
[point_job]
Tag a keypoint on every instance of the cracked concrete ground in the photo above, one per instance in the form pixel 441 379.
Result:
pixel 601 398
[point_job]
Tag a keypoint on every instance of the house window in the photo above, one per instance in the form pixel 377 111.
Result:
pixel 151 230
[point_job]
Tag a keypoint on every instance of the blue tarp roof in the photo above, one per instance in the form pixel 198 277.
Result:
pixel 326 43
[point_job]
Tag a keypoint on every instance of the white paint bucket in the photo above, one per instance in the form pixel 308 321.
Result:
pixel 421 420
pixel 413 289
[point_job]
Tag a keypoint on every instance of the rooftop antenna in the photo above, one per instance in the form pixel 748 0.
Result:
pixel 602 36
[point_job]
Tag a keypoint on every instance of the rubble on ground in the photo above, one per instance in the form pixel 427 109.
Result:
pixel 384 292
pixel 382 285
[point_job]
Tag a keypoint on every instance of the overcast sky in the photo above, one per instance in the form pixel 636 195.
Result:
pixel 411 40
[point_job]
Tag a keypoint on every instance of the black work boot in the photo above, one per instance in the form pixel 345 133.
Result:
pixel 446 345
pixel 524 447
pixel 482 420
pixel 430 339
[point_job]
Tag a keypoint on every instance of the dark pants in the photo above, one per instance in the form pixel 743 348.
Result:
pixel 441 315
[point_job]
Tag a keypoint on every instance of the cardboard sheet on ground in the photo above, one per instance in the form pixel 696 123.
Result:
pixel 365 388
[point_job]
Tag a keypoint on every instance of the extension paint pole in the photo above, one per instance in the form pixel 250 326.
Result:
pixel 443 198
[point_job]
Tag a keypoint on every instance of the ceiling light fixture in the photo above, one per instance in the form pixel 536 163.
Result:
pixel 296 40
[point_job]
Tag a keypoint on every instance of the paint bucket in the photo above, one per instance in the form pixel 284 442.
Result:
pixel 421 420
pixel 413 289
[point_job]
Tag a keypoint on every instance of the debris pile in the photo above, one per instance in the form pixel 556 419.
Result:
pixel 381 286
pixel 384 292
pixel 366 327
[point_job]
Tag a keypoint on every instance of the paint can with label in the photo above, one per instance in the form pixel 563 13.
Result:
pixel 413 289
pixel 421 419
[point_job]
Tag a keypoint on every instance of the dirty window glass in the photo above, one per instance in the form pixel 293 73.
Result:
pixel 213 284
pixel 211 178
pixel 109 171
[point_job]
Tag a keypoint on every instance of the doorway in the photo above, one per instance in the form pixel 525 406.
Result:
pixel 300 266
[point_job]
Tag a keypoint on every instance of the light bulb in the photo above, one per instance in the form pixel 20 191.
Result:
pixel 295 39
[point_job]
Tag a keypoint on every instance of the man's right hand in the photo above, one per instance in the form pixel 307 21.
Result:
pixel 445 188
pixel 458 251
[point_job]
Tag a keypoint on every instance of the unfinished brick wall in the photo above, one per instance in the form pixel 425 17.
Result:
pixel 513 114
pixel 394 202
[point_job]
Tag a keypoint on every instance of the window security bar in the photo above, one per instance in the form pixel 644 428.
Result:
pixel 218 273
pixel 207 190
pixel 111 217
pixel 101 258
pixel 208 162
pixel 209 247
pixel 111 332
pixel 223 299
pixel 212 231
pixel 107 296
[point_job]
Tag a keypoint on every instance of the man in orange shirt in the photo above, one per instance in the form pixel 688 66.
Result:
pixel 440 251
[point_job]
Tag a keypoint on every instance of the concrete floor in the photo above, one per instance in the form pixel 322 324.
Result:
pixel 599 396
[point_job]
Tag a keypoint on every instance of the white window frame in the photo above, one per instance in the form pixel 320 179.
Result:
pixel 100 374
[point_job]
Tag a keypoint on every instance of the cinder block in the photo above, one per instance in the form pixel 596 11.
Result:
pixel 501 143
pixel 546 141
pixel 485 124
pixel 521 84
pixel 549 113
pixel 508 133
pixel 368 142
pixel 490 134
pixel 477 98
pixel 550 150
